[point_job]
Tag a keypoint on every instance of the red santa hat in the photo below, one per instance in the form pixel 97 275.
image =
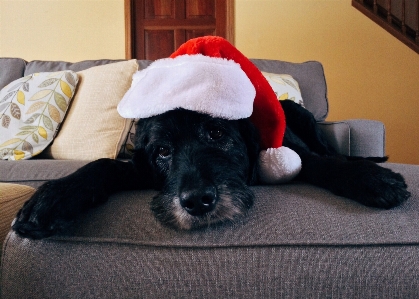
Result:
pixel 209 75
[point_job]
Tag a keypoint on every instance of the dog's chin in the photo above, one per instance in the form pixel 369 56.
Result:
pixel 232 205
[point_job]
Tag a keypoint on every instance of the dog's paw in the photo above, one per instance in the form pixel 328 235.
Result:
pixel 40 216
pixel 375 186
pixel 51 209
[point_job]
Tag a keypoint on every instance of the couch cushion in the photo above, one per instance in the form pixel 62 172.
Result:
pixel 93 128
pixel 11 69
pixel 310 77
pixel 37 66
pixel 35 172
pixel 296 240
pixel 293 213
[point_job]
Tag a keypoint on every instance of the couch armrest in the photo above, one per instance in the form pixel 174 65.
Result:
pixel 356 137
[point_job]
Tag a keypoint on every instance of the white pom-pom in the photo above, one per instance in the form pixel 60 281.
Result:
pixel 278 165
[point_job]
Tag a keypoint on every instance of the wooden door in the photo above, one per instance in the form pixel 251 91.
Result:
pixel 156 28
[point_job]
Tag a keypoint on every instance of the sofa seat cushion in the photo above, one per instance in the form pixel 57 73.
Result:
pixel 12 198
pixel 290 214
pixel 297 239
pixel 35 172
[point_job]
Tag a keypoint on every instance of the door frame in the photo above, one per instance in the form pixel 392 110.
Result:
pixel 129 23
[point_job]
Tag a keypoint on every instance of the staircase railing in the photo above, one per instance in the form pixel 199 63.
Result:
pixel 398 17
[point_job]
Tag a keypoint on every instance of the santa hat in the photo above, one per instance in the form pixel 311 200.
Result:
pixel 209 75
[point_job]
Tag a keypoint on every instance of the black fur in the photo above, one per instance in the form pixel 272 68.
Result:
pixel 203 167
pixel 359 179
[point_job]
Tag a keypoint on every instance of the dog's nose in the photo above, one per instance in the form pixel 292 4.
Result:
pixel 199 201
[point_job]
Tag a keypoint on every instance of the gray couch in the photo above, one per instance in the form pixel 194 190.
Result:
pixel 298 241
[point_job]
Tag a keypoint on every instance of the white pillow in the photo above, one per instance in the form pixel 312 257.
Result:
pixel 285 87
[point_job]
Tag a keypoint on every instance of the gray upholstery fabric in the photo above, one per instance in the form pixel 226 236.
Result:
pixel 356 137
pixel 339 136
pixel 10 70
pixel 290 214
pixel 298 241
pixel 77 270
pixel 52 66
pixel 310 77
pixel 142 64
pixel 35 172
pixel 364 133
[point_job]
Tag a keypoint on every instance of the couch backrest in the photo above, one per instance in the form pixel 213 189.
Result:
pixel 11 69
pixel 309 75
pixel 51 66
pixel 311 79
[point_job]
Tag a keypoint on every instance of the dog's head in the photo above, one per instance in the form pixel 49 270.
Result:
pixel 202 165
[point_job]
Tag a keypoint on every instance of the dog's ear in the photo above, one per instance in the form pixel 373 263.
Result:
pixel 251 138
pixel 141 159
pixel 141 133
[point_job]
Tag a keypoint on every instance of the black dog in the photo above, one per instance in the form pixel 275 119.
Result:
pixel 203 167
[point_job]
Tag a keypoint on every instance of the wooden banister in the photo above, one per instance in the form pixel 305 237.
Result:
pixel 417 22
pixel 398 17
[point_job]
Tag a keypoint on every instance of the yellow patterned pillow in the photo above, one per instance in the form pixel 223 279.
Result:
pixel 285 87
pixel 31 110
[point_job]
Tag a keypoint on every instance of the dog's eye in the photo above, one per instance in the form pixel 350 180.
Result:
pixel 215 134
pixel 164 152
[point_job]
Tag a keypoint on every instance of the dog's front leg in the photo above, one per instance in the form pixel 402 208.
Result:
pixel 57 203
pixel 362 180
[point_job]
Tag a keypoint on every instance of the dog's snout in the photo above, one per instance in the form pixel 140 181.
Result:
pixel 199 201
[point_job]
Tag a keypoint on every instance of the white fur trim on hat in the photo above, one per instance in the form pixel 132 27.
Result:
pixel 215 86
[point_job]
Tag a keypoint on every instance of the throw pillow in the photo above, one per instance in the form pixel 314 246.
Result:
pixel 93 128
pixel 285 87
pixel 31 110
